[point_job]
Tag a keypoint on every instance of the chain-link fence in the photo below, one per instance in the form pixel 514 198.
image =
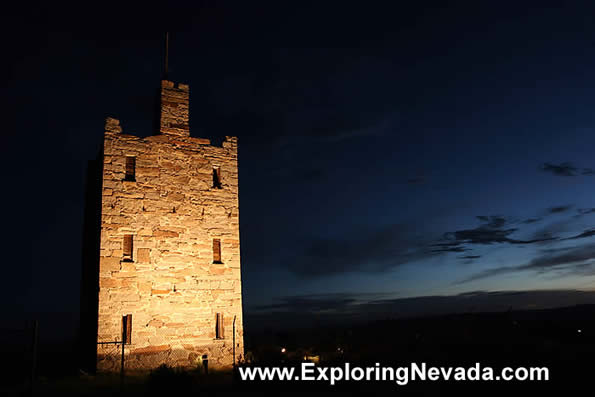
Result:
pixel 170 346
pixel 109 356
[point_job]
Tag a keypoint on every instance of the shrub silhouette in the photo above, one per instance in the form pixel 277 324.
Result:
pixel 165 380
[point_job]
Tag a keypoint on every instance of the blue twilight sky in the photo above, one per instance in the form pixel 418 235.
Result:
pixel 386 152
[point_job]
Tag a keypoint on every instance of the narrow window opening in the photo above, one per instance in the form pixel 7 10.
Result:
pixel 219 332
pixel 130 169
pixel 217 251
pixel 217 178
pixel 127 249
pixel 127 329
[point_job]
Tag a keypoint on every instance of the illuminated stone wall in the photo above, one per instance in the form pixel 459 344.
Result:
pixel 173 211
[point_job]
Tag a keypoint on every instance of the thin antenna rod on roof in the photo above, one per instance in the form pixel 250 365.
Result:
pixel 166 53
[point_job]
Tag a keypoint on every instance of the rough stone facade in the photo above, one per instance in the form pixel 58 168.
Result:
pixel 169 209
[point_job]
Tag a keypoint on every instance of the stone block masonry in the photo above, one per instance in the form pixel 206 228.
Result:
pixel 170 246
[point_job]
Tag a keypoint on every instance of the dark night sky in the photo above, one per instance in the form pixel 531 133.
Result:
pixel 386 153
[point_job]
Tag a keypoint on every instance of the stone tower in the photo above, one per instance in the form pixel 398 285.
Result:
pixel 169 266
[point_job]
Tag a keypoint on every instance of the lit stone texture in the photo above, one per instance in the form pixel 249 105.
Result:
pixel 174 212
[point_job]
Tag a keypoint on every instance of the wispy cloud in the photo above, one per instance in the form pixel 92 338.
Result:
pixel 374 127
pixel 585 234
pixel 495 229
pixel 470 257
pixel 568 259
pixel 585 211
pixel 336 302
pixel 369 251
pixel 565 169
pixel 559 209
pixel 334 308
pixel 448 247
pixel 562 169
pixel 531 220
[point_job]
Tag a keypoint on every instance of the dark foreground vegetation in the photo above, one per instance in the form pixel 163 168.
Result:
pixel 563 340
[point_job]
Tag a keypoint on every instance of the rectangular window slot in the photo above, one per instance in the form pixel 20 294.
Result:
pixel 217 251
pixel 219 334
pixel 130 169
pixel 127 249
pixel 127 329
pixel 217 178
